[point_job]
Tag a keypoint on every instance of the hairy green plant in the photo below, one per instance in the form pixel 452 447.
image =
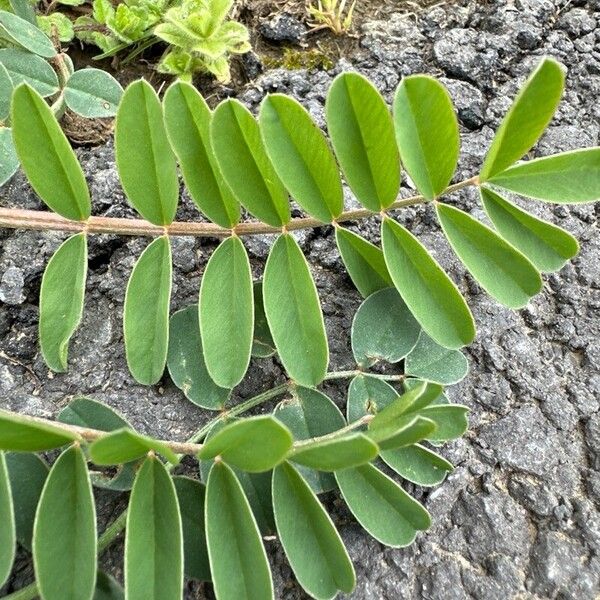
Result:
pixel 332 15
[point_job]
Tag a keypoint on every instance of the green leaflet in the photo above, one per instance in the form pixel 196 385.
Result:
pixel 9 163
pixel 190 496
pixel 263 345
pixel 432 362
pixel 145 161
pixel 311 543
pixel 526 119
pixel 124 445
pixel 301 156
pixel 153 537
pixel 187 118
pixel 362 134
pixel 383 329
pixel 364 262
pixel 501 270
pixel 388 416
pixel 61 300
pixel 427 133
pixel 27 473
pixel 186 362
pixel 294 313
pixel 237 444
pixel 428 292
pixel 24 67
pixel 418 464
pixel 450 419
pixel 146 312
pixel 367 395
pixel 64 534
pixel 415 430
pixel 336 453
pixel 93 93
pixel 6 90
pixel 8 534
pixel 107 588
pixel 24 34
pixel 23 9
pixel 227 313
pixel 547 246
pixel 238 560
pixel 381 506
pixel 567 178
pixel 25 434
pixel 243 161
pixel 47 157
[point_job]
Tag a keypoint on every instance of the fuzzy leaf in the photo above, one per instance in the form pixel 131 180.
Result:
pixel 23 33
pixel 381 506
pixel 362 133
pixel 238 560
pixel 24 67
pixel 301 156
pixel 311 543
pixel 6 90
pixel 93 93
pixel 9 162
pixel 294 313
pixel 429 293
pixel 367 395
pixel 64 535
pixel 145 161
pixel 427 133
pixel 418 464
pixel 8 533
pixel 153 538
pixel 146 312
pixel 263 345
pixel 23 9
pixel 526 119
pixel 21 434
pixel 47 157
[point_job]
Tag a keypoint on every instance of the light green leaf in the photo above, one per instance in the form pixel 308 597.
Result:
pixel 146 312
pixel 364 262
pixel 381 506
pixel 47 157
pixel 429 293
pixel 243 161
pixel 56 24
pixel 64 534
pixel 107 588
pixel 24 67
pixel 567 178
pixel 6 89
pixel 153 538
pixel 8 533
pixel 301 156
pixel 186 363
pixel 294 313
pixel 145 161
pixel 311 543
pixel 263 345
pixel 367 395
pixel 238 444
pixel 547 246
pixel 25 434
pixel 9 163
pixel 502 271
pixel 187 118
pixel 427 133
pixel 418 464
pixel 432 362
pixel 227 313
pixel 383 329
pixel 190 496
pixel 526 119
pixel 18 31
pixel 238 560
pixel 61 300
pixel 93 93
pixel 362 134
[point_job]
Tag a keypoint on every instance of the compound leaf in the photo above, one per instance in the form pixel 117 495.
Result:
pixel 367 395
pixel 311 543
pixel 227 313
pixel 238 560
pixel 25 34
pixel 381 506
pixel 24 67
pixel 93 93
pixel 47 157
pixel 263 345
pixel 153 538
pixel 547 246
pixel 362 134
pixel 418 464
pixel 145 160
pixel 146 312
pixel 429 293
pixel 9 162
pixel 294 313
pixel 8 533
pixel 61 300
pixel 24 434
pixel 501 270
pixel 301 156
pixel 526 119
pixel 64 534
pixel 427 133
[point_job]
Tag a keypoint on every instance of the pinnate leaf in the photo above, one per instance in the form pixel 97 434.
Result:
pixel 24 434
pixel 93 93
pixel 8 533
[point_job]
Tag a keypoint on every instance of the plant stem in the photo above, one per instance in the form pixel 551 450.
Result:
pixel 42 220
